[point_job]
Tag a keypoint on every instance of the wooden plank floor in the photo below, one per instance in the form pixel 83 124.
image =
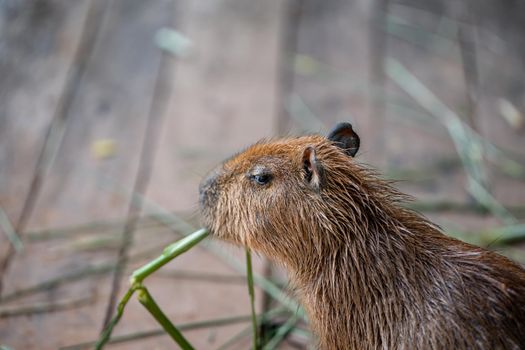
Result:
pixel 256 69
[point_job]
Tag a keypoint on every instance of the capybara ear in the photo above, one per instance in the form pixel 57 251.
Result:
pixel 344 137
pixel 312 168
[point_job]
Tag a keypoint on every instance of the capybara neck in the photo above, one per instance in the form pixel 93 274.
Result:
pixel 370 273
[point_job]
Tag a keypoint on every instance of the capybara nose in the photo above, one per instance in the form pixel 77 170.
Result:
pixel 208 189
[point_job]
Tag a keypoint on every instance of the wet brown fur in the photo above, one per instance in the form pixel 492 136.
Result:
pixel 370 273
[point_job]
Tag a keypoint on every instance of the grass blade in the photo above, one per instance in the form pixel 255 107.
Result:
pixel 106 334
pixel 149 303
pixel 249 278
pixel 281 333
pixel 170 253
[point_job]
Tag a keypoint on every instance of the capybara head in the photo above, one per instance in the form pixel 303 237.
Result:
pixel 276 196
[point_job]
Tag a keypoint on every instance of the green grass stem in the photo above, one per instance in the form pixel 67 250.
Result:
pixel 171 252
pixel 149 303
pixel 249 278
pixel 281 333
pixel 106 334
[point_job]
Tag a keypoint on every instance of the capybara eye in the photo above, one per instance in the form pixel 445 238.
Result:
pixel 261 179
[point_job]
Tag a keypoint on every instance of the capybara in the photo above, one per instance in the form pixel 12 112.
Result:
pixel 370 273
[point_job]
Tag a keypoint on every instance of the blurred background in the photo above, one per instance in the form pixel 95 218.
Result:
pixel 112 111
